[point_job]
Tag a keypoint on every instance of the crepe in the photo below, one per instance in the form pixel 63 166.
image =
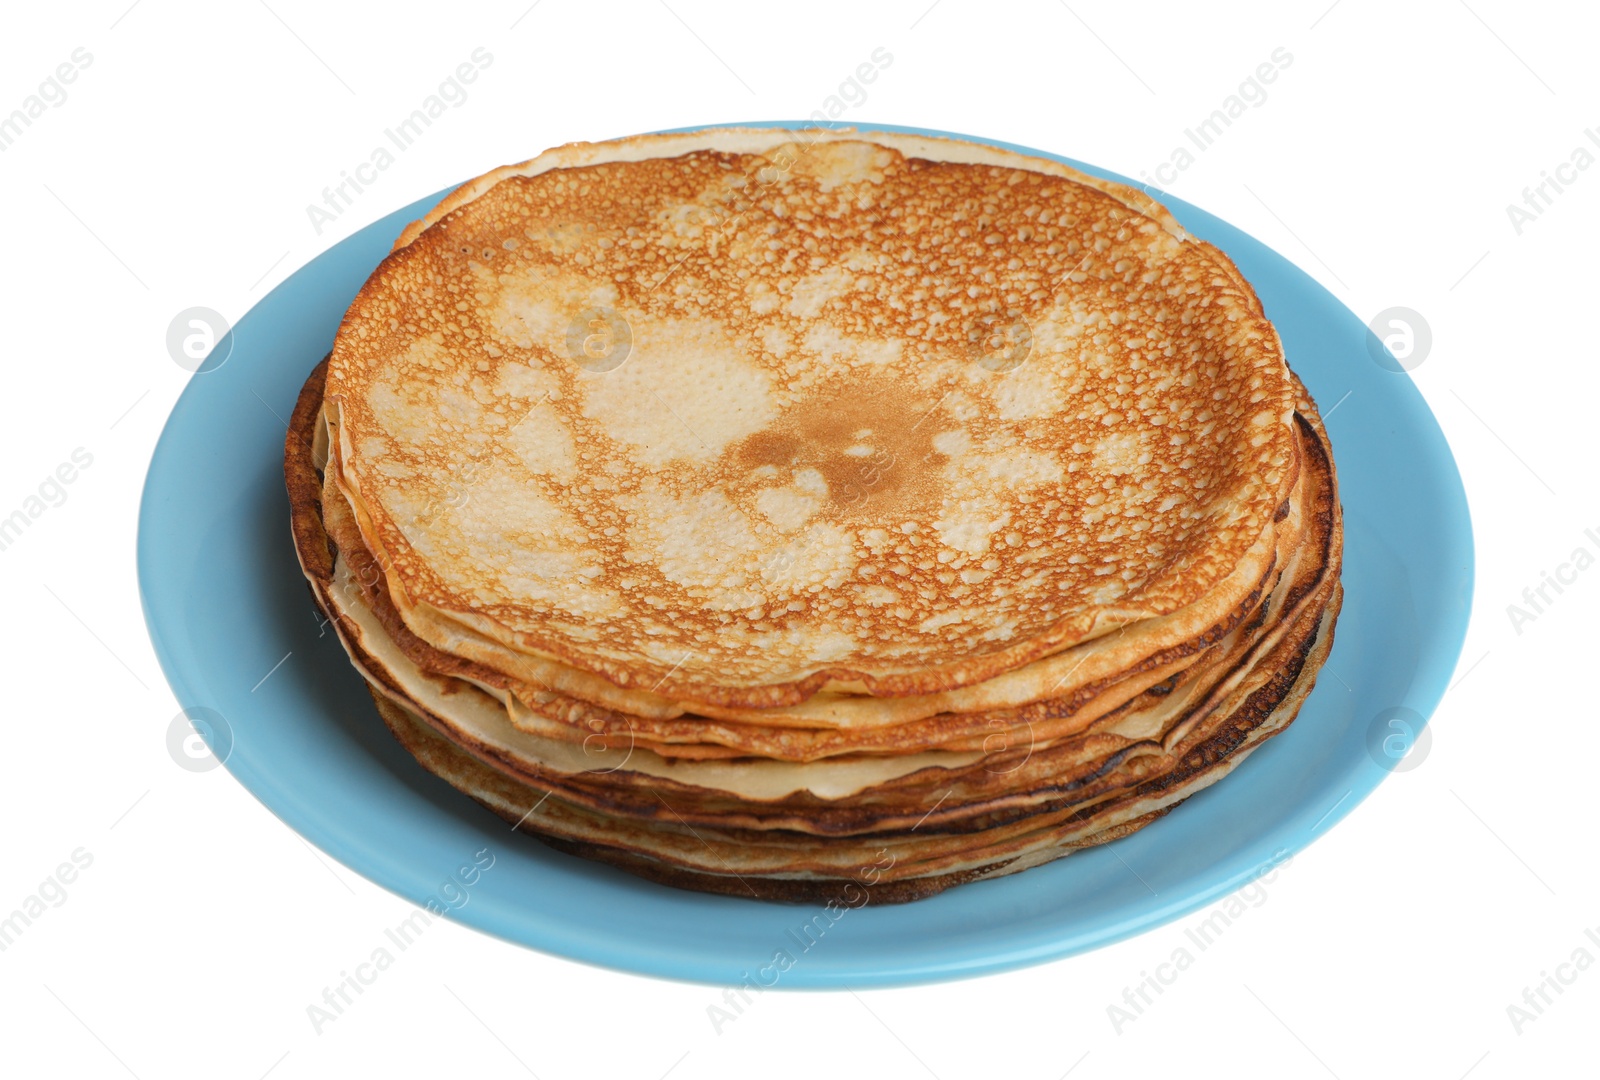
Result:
pixel 890 512
pixel 809 471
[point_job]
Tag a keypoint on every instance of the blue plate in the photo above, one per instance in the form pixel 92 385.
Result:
pixel 225 601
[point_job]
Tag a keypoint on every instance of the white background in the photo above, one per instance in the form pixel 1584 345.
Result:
pixel 177 173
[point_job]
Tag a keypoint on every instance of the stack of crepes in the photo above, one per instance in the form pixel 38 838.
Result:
pixel 787 514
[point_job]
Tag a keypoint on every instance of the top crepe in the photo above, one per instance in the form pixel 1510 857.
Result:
pixel 739 416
